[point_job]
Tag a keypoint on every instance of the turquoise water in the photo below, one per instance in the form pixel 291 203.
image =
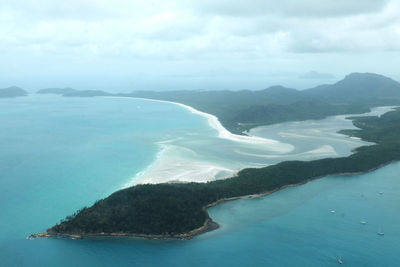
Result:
pixel 59 154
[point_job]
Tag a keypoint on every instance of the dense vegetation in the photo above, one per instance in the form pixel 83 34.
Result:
pixel 171 209
pixel 12 92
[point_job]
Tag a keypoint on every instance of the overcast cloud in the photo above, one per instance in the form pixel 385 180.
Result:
pixel 125 45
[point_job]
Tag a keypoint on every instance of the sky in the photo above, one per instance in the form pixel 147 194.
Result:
pixel 126 45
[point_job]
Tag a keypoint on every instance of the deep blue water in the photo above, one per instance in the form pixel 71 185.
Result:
pixel 59 154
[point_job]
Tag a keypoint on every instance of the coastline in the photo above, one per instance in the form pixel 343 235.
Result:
pixel 203 171
pixel 214 122
pixel 209 225
pixel 212 171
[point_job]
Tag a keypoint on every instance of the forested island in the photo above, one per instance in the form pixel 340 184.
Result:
pixel 179 210
pixel 12 91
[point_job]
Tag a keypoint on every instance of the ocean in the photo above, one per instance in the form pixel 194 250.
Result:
pixel 59 154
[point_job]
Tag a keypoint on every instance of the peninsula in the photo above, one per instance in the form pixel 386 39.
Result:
pixel 179 210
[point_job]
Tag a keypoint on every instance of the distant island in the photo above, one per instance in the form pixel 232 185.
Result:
pixel 179 210
pixel 72 92
pixel 12 91
pixel 239 111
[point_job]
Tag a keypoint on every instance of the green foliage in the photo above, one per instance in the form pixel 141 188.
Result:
pixel 171 209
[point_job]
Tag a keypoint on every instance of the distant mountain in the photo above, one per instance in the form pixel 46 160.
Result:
pixel 72 92
pixel 57 91
pixel 12 91
pixel 359 87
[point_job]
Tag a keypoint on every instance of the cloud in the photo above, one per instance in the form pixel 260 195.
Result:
pixel 292 8
pixel 178 29
pixel 150 37
pixel 355 34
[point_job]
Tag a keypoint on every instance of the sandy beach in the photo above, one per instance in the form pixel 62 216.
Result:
pixel 179 161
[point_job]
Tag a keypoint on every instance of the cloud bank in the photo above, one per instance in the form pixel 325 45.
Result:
pixel 143 41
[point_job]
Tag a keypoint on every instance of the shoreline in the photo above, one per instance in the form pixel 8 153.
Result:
pixel 214 123
pixel 209 225
pixel 273 145
pixel 278 146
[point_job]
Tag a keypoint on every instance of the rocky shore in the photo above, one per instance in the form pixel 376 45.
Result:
pixel 209 225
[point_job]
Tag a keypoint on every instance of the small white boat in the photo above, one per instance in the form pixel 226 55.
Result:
pixel 332 211
pixel 363 222
pixel 380 232
pixel 339 261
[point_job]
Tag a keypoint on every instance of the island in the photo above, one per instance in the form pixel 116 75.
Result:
pixel 12 91
pixel 73 92
pixel 179 210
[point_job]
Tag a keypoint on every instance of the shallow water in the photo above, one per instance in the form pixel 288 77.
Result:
pixel 59 154
pixel 203 155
